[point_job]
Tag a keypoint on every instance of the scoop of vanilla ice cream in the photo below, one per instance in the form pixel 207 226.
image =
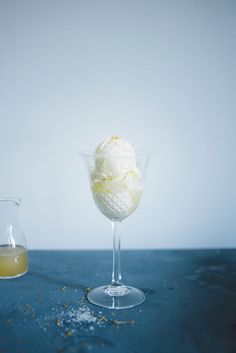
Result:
pixel 116 180
pixel 114 157
pixel 114 145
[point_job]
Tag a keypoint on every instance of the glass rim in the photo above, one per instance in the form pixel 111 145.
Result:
pixel 137 154
pixel 14 199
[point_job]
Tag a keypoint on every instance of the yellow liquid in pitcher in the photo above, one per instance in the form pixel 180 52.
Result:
pixel 13 261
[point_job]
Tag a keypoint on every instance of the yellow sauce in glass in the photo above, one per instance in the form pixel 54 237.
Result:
pixel 13 261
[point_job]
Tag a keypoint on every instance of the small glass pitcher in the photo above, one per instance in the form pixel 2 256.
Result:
pixel 13 248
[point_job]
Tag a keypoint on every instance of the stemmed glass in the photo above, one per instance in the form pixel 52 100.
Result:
pixel 116 201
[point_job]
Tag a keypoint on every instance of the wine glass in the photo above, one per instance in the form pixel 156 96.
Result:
pixel 117 185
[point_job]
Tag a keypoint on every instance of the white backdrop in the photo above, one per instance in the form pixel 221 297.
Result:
pixel 159 73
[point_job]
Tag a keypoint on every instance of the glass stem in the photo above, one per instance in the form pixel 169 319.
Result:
pixel 116 270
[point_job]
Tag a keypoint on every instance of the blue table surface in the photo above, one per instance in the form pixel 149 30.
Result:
pixel 190 305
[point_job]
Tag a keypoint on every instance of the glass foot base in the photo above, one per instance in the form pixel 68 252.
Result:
pixel 132 297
